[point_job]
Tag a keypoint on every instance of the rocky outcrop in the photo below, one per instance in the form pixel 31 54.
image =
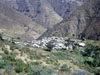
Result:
pixel 85 20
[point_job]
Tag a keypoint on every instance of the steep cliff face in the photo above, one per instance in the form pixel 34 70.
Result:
pixel 83 20
pixel 45 12
pixel 15 23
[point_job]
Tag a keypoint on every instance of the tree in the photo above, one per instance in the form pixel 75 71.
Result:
pixel 82 36
pixel 1 37
pixel 50 45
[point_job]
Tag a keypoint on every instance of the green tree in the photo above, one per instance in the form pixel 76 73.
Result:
pixel 50 45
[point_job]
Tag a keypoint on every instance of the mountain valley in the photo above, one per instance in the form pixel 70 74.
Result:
pixel 49 37
pixel 45 12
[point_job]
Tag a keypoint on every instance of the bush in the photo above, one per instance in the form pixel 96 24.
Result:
pixel 97 71
pixel 19 66
pixel 25 48
pixel 92 52
pixel 82 35
pixel 5 50
pixel 34 56
pixel 65 68
pixel 92 58
pixel 2 63
pixel 10 58
pixel 1 37
pixel 13 47
pixel 34 70
pixel 28 68
pixel 50 45
pixel 10 72
pixel 38 70
pixel 62 55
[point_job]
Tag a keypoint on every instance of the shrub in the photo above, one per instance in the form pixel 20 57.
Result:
pixel 1 37
pixel 18 38
pixel 50 45
pixel 62 55
pixel 92 58
pixel 11 58
pixel 25 49
pixel 65 68
pixel 2 63
pixel 34 70
pixel 13 47
pixel 82 35
pixel 5 50
pixel 92 52
pixel 19 66
pixel 10 72
pixel 38 70
pixel 28 67
pixel 34 56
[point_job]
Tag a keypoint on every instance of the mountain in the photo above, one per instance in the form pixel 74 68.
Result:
pixel 39 11
pixel 45 12
pixel 85 20
pixel 92 30
pixel 65 7
pixel 15 23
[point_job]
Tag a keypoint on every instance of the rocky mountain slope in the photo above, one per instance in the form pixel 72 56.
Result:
pixel 39 11
pixel 85 20
pixel 15 23
pixel 65 7
pixel 92 31
pixel 45 12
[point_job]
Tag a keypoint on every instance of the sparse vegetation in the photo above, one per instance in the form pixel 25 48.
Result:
pixel 2 63
pixel 65 68
pixel 19 66
pixel 33 61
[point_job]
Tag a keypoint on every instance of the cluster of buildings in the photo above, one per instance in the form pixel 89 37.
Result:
pixel 58 43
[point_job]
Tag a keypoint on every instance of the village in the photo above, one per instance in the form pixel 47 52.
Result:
pixel 55 43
